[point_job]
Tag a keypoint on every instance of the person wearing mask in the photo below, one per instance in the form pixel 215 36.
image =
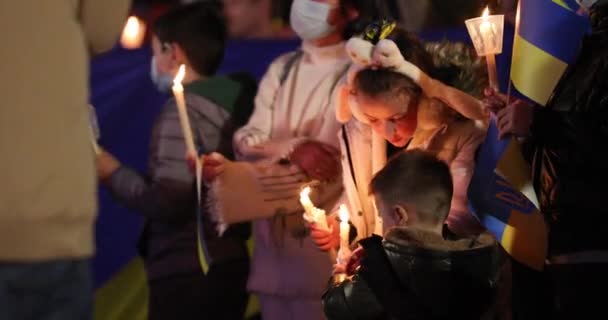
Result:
pixel 48 193
pixel 192 35
pixel 293 125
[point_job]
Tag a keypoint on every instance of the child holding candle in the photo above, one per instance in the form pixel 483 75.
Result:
pixel 193 36
pixel 414 272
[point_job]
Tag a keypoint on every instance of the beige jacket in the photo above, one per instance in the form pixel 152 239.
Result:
pixel 48 184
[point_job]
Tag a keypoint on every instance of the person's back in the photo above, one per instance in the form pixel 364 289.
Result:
pixel 415 272
pixel 48 193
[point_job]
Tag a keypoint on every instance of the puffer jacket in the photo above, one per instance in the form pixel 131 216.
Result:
pixel 414 274
pixel 569 141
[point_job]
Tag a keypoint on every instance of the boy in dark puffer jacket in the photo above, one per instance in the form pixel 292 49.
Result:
pixel 415 272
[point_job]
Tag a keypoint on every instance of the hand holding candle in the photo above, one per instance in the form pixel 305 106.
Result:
pixel 315 216
pixel 487 33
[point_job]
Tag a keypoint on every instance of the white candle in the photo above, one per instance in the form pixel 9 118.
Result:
pixel 487 30
pixel 312 214
pixel 344 251
pixel 178 92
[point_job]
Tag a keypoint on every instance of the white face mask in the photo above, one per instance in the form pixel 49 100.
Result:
pixel 309 19
pixel 163 82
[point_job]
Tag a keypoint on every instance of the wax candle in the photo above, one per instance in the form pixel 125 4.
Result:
pixel 178 92
pixel 344 251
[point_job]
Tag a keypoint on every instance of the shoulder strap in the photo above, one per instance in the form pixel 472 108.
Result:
pixel 289 65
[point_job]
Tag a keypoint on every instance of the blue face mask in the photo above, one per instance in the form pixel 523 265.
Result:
pixel 163 82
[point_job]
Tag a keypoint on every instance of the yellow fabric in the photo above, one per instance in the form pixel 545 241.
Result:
pixel 536 78
pixel 125 296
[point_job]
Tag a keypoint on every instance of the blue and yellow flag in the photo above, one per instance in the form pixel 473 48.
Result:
pixel 547 39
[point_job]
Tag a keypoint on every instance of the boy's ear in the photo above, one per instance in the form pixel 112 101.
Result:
pixel 400 215
pixel 177 55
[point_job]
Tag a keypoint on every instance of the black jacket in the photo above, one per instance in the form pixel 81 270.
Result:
pixel 569 146
pixel 418 275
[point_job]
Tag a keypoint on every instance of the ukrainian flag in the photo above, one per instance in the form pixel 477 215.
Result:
pixel 548 36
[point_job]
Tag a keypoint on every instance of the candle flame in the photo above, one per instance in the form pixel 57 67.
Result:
pixel 305 192
pixel 133 33
pixel 132 27
pixel 181 73
pixel 486 13
pixel 343 213
pixel 305 197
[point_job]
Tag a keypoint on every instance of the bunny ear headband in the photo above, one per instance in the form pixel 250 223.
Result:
pixel 385 54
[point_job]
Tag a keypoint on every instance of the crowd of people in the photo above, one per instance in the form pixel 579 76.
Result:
pixel 361 108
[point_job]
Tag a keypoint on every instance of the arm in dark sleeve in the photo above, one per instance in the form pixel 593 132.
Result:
pixel 169 194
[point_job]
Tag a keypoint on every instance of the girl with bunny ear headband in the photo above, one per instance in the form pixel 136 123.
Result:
pixel 386 55
pixel 397 100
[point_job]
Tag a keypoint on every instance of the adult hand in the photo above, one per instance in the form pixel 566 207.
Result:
pixel 318 160
pixel 515 119
pixel 106 165
pixel 326 239
pixel 494 101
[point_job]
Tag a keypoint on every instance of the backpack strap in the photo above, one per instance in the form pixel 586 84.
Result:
pixel 289 65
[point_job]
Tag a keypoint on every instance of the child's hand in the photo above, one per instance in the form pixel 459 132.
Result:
pixel 318 160
pixel 355 261
pixel 326 240
pixel 213 165
pixel 106 165
pixel 352 265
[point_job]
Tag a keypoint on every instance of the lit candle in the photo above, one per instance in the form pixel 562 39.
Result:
pixel 315 215
pixel 133 33
pixel 312 214
pixel 486 33
pixel 344 251
pixel 487 30
pixel 178 92
pixel 488 37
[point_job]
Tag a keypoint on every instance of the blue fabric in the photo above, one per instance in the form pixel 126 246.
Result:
pixel 56 290
pixel 546 24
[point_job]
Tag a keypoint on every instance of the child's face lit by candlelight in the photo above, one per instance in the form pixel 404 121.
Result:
pixel 394 118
